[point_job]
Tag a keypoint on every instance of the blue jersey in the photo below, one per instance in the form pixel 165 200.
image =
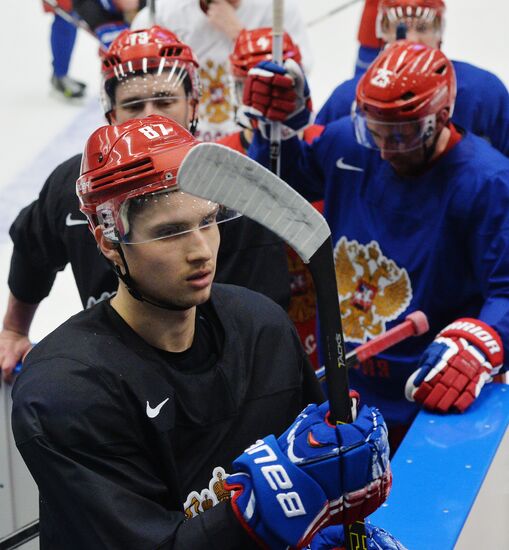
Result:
pixel 438 242
pixel 482 104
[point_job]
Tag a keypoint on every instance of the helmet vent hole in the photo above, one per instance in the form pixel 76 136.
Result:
pixel 171 52
pixel 111 61
pixel 441 69
pixel 407 96
pixel 128 172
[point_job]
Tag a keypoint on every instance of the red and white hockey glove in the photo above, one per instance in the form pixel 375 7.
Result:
pixel 275 93
pixel 313 475
pixel 455 366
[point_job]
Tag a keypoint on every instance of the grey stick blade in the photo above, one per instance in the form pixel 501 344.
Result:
pixel 220 174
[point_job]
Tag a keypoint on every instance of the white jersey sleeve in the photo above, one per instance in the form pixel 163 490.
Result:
pixel 296 27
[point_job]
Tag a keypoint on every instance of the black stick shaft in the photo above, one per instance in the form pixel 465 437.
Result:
pixel 20 537
pixel 332 341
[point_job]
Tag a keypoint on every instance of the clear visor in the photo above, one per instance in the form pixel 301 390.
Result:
pixel 163 214
pixel 165 82
pixel 393 137
pixel 422 24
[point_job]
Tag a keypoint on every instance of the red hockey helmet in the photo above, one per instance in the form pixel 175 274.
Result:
pixel 131 166
pixel 422 15
pixel 254 46
pixel 140 52
pixel 407 82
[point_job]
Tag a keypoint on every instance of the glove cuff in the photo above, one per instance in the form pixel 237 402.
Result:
pixel 479 334
pixel 280 501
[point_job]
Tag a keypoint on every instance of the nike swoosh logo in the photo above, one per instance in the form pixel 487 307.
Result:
pixel 70 221
pixel 153 412
pixel 343 166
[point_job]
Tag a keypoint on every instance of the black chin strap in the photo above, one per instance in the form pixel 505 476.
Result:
pixel 132 287
pixel 430 151
pixel 194 122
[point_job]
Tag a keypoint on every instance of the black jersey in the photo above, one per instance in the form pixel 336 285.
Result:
pixel 51 232
pixel 95 15
pixel 121 444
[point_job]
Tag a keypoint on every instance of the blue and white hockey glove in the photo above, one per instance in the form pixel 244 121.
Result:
pixel 275 93
pixel 334 537
pixel 109 31
pixel 455 366
pixel 315 474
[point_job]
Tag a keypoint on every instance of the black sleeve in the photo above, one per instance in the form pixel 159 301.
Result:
pixel 253 257
pixel 312 390
pixel 94 14
pixel 37 235
pixel 100 486
pixel 28 282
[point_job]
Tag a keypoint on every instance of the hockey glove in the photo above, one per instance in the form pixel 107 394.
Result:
pixel 275 93
pixel 109 31
pixel 455 366
pixel 315 474
pixel 334 537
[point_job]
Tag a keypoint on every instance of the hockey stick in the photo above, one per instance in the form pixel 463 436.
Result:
pixel 20 537
pixel 73 20
pixel 325 16
pixel 218 173
pixel 151 4
pixel 277 58
pixel 414 324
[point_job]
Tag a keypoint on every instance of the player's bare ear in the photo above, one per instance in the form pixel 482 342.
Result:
pixel 110 117
pixel 443 117
pixel 108 248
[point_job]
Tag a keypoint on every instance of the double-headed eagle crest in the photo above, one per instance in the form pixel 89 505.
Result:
pixel 215 104
pixel 372 289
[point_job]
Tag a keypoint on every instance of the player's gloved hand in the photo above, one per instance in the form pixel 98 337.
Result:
pixel 455 366
pixel 274 93
pixel 109 31
pixel 13 348
pixel 315 474
pixel 333 537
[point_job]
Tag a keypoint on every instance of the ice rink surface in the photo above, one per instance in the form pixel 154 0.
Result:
pixel 40 130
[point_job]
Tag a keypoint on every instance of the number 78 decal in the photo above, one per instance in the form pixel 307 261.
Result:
pixel 152 133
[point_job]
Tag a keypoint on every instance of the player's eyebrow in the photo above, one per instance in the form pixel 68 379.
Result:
pixel 186 222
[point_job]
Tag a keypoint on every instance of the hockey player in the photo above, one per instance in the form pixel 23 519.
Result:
pixel 134 428
pixel 482 104
pixel 51 232
pixel 62 39
pixel 419 215
pixel 252 47
pixel 210 27
pixel 107 18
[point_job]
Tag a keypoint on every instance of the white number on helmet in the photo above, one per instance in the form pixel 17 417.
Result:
pixel 152 133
